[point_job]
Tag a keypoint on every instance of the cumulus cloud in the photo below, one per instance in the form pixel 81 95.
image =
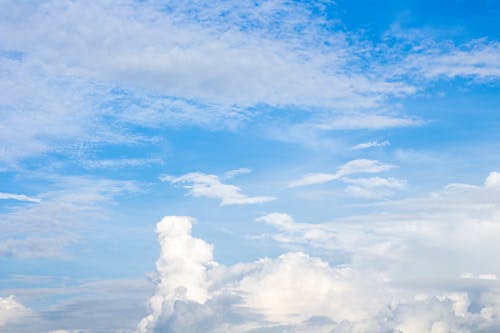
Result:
pixel 245 295
pixel 11 311
pixel 413 239
pixel 206 185
pixel 181 269
pixel 297 292
pixel 349 168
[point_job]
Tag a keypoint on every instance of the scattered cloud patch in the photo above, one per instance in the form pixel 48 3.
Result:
pixel 491 277
pixel 236 172
pixel 206 185
pixel 349 168
pixel 371 144
pixel 18 197
pixel 120 163
pixel 373 187
pixel 357 122
pixel 477 59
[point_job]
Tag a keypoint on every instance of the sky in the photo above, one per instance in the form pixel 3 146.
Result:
pixel 249 166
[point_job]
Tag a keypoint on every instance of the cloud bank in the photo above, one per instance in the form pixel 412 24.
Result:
pixel 299 292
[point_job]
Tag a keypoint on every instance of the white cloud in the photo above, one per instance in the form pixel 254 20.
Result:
pixel 19 197
pixel 413 238
pixel 296 292
pixel 493 180
pixel 11 311
pixel 188 275
pixel 233 173
pixel 373 187
pixel 349 168
pixel 367 121
pixel 476 59
pixel 170 51
pixel 120 163
pixel 205 185
pixel 479 276
pixel 159 58
pixel 371 144
pixel 182 269
pixel 149 65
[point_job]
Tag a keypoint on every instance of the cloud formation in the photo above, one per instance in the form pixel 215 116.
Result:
pixel 373 187
pixel 349 168
pixel 297 292
pixel 412 239
pixel 11 311
pixel 205 185
pixel 45 229
pixel 18 197
pixel 371 144
pixel 141 64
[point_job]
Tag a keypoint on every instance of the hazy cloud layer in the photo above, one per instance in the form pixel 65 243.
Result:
pixel 43 229
pixel 90 66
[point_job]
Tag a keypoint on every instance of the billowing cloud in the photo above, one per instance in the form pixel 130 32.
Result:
pixel 349 168
pixel 182 269
pixel 412 239
pixel 205 185
pixel 297 292
pixel 11 311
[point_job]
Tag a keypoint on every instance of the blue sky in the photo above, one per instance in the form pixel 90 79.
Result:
pixel 165 166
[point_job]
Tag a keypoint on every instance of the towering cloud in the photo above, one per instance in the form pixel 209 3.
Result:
pixel 297 292
pixel 181 269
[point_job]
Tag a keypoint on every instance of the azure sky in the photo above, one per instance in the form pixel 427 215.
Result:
pixel 249 166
